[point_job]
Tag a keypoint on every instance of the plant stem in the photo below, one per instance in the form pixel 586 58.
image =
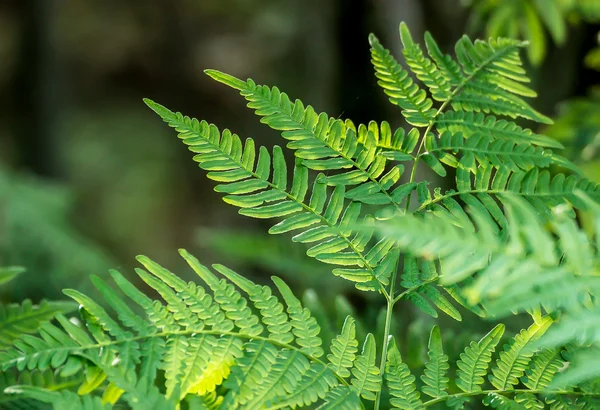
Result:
pixel 386 331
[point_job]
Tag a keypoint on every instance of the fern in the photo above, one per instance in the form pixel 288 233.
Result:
pixel 18 319
pixel 195 355
pixel 248 366
pixel 231 343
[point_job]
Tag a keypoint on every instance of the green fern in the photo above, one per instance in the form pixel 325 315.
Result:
pixel 230 343
pixel 243 364
pixel 18 319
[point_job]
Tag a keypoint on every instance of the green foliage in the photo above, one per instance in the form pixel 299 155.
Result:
pixel 25 318
pixel 531 19
pixel 38 234
pixel 502 239
pixel 176 351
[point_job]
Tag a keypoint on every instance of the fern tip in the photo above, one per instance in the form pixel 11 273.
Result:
pixel 373 39
pixel 405 35
pixel 226 79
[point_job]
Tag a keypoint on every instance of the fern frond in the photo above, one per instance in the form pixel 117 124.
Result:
pixel 367 379
pixel 325 144
pixel 399 87
pixel 419 279
pixel 61 399
pixel 474 362
pixel 539 188
pixel 496 153
pixel 304 326
pixel 470 123
pixel 542 369
pixel 275 366
pixel 44 379
pixel 434 376
pixel 272 312
pixel 513 361
pixel 227 162
pixel 343 398
pixel 425 70
pixel 16 320
pixel 343 349
pixel 400 382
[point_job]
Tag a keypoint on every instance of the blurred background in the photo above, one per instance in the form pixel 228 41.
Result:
pixel 89 177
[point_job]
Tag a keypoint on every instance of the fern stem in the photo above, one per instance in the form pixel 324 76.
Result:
pixel 412 289
pixel 386 331
pixel 510 391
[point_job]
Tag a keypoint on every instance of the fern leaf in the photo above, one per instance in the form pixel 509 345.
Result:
pixel 250 370
pixel 529 401
pixel 493 75
pixel 367 379
pixel 285 374
pixel 470 123
pixel 342 398
pixel 43 379
pixel 324 144
pixel 229 299
pixel 513 361
pixel 343 349
pixel 26 318
pixel 222 356
pixel 500 402
pixel 424 68
pixel 401 383
pixel 271 310
pixel 474 362
pixel 434 376
pixel 543 367
pixel 227 161
pixel 60 399
pixel 304 326
pixel 486 151
pixel 400 88
pixel 313 385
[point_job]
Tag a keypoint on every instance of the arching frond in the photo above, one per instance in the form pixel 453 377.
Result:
pixel 261 355
pixel 261 191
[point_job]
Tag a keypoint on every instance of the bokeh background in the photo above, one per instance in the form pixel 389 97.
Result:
pixel 89 177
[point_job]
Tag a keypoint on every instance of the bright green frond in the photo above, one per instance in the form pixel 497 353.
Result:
pixel 449 148
pixel 341 398
pixel 399 86
pixel 515 358
pixel 264 194
pixel 434 376
pixel 62 399
pixel 542 369
pixel 425 70
pixel 400 382
pixel 343 349
pixel 470 123
pixel 304 326
pixel 367 379
pixel 271 310
pixel 474 362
